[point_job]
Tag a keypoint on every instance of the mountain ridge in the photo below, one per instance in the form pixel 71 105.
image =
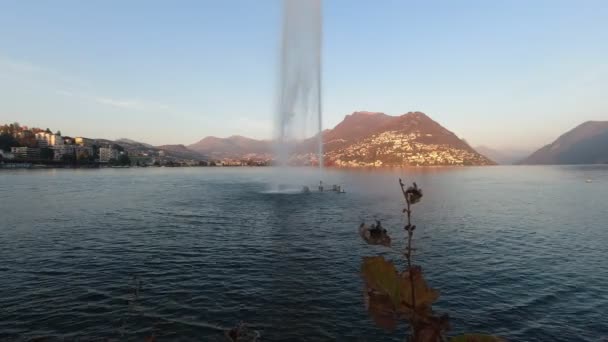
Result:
pixel 234 146
pixel 412 138
pixel 586 143
pixel 503 156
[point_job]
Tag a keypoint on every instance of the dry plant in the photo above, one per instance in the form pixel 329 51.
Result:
pixel 392 296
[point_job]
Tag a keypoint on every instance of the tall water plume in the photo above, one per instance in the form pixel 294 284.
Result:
pixel 299 112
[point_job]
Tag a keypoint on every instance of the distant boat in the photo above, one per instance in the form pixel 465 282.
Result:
pixel 589 181
pixel 338 189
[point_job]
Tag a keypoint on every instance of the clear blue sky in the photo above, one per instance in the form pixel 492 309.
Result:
pixel 499 73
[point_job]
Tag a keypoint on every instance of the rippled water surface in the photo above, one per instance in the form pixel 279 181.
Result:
pixel 517 251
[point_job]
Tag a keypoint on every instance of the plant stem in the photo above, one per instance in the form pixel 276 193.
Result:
pixel 408 256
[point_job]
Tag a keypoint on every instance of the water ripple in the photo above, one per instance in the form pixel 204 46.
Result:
pixel 186 253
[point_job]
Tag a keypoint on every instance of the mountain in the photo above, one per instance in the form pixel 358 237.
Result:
pixel 354 127
pixel 181 152
pixel 136 148
pixel 585 144
pixel 235 146
pixel 409 139
pixel 364 139
pixel 123 141
pixel 503 157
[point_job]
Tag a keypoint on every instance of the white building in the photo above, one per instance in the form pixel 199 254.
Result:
pixel 62 150
pixel 107 153
pixel 41 139
pixel 25 152
pixel 72 150
pixel 55 140
pixel 48 139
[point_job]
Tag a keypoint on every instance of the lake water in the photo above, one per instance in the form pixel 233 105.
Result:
pixel 516 251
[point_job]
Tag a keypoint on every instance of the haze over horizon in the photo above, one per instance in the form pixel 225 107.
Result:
pixel 506 75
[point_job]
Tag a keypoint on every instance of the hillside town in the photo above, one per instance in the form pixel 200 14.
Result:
pixel 21 146
pixel 44 146
pixel 394 148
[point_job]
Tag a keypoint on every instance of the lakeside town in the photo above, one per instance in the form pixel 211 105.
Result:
pixel 393 148
pixel 25 147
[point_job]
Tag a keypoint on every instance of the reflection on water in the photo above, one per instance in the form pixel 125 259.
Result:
pixel 517 251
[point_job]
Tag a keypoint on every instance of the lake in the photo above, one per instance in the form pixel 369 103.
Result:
pixel 518 251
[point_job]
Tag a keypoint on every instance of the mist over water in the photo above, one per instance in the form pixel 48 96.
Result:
pixel 299 112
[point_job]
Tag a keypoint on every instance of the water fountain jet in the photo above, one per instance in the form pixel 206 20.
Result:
pixel 299 112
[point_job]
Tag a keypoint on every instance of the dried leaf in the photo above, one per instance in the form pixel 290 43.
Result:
pixel 374 236
pixel 242 333
pixel 381 309
pixel 476 338
pixel 424 295
pixel 431 328
pixel 428 334
pixel 414 194
pixel 381 275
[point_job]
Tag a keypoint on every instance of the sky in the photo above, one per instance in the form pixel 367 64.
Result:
pixel 512 74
